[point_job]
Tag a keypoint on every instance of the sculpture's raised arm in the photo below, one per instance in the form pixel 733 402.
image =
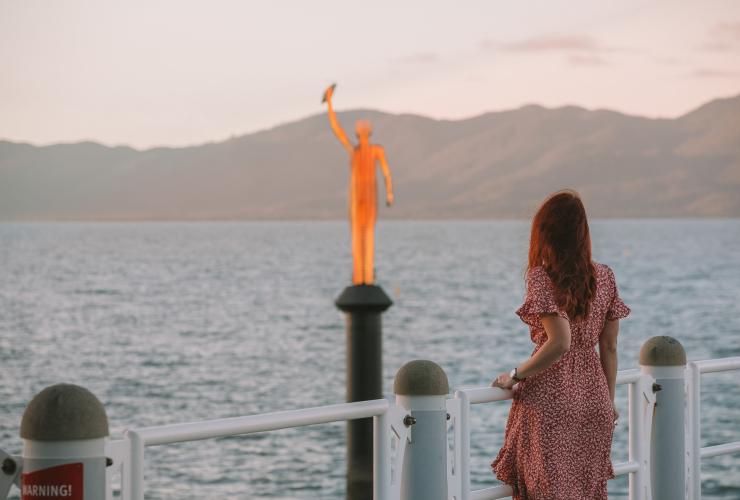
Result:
pixel 335 127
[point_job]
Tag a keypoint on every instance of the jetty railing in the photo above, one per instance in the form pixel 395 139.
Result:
pixel 422 430
pixel 641 400
pixel 130 450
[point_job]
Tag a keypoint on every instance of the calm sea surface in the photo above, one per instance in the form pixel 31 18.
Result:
pixel 169 322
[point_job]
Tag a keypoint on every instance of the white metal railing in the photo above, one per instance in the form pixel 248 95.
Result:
pixel 128 454
pixel 641 401
pixel 393 432
pixel 695 452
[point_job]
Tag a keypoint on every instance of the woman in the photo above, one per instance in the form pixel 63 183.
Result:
pixel 559 431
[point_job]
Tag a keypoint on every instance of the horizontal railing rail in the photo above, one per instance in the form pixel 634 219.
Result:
pixel 718 365
pixel 225 427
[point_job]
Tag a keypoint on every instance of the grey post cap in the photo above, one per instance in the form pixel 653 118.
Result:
pixel 64 412
pixel 662 351
pixel 421 378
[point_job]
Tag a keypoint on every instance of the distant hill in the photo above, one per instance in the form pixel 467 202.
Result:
pixel 494 165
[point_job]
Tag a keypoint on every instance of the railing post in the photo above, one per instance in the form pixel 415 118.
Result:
pixel 381 457
pixel 641 408
pixel 421 387
pixel 134 479
pixel 694 432
pixel 64 431
pixel 664 358
pixel 464 453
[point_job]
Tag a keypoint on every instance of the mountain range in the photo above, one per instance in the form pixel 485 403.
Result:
pixel 496 165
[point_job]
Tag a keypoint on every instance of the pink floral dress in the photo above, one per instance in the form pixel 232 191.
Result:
pixel 558 435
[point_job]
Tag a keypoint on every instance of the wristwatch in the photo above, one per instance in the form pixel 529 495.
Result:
pixel 513 376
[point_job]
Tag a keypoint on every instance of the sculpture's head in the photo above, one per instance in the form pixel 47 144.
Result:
pixel 363 129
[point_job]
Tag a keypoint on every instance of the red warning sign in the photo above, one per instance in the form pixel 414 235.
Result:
pixel 56 483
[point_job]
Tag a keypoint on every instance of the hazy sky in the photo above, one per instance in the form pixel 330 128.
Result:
pixel 180 72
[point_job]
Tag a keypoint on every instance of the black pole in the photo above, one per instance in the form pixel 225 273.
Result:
pixel 363 304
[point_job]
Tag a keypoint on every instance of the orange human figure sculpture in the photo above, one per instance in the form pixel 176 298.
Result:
pixel 362 191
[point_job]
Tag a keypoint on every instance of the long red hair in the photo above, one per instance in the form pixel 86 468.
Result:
pixel 561 243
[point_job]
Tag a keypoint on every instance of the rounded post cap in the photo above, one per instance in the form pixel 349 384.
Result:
pixel 421 377
pixel 662 351
pixel 363 298
pixel 64 412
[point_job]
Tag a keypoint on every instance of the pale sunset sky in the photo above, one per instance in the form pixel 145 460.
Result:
pixel 180 72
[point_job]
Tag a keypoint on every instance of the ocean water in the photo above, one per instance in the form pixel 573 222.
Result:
pixel 175 322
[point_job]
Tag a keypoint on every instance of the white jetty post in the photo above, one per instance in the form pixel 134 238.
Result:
pixel 421 388
pixel 664 358
pixel 64 430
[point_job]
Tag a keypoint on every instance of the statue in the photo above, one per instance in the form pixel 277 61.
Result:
pixel 362 191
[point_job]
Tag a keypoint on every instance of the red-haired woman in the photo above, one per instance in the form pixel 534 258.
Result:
pixel 559 431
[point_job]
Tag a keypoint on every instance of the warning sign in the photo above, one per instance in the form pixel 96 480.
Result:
pixel 61 482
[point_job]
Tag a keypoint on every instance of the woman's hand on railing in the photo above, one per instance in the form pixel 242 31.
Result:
pixel 504 381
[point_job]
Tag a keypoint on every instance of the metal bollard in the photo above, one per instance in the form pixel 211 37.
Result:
pixel 664 358
pixel 421 388
pixel 64 430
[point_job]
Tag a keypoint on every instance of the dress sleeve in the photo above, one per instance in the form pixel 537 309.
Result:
pixel 540 298
pixel 617 308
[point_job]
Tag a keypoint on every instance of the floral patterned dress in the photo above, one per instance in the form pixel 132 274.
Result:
pixel 559 432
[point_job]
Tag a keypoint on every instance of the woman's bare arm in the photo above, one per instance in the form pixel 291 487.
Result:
pixel 557 344
pixel 608 353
